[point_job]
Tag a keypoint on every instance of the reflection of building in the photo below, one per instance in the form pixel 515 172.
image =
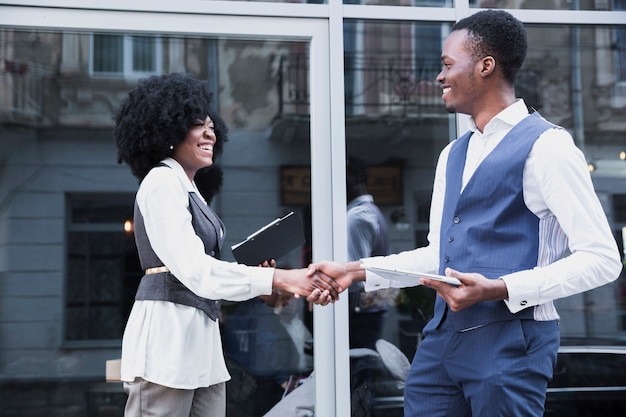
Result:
pixel 67 267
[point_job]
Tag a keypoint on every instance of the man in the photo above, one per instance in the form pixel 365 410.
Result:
pixel 515 218
pixel 367 236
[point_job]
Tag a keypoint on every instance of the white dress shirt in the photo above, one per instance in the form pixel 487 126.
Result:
pixel 171 344
pixel 558 190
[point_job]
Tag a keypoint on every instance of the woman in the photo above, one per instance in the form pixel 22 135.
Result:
pixel 172 359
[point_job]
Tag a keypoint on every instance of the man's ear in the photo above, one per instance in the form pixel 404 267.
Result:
pixel 487 66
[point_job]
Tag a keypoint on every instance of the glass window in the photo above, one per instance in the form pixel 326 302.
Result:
pixel 565 62
pixel 395 117
pixel 396 126
pixel 108 53
pixel 64 259
pixel 103 270
pixel 286 1
pixel 124 55
pixel 413 3
pixel 545 5
pixel 268 340
pixel 93 276
pixel 390 69
pixel 619 46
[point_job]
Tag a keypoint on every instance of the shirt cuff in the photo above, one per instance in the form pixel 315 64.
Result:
pixel 374 282
pixel 261 281
pixel 521 295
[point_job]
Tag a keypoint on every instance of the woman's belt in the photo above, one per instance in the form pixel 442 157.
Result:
pixel 157 270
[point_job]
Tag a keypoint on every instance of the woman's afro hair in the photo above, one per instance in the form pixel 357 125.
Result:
pixel 157 114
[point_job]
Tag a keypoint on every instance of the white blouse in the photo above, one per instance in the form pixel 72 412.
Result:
pixel 171 344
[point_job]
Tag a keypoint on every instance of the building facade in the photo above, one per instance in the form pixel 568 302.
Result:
pixel 301 86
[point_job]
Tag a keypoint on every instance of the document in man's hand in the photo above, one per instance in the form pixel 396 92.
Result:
pixel 409 277
pixel 272 241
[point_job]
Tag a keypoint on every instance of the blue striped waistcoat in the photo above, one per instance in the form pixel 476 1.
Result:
pixel 487 228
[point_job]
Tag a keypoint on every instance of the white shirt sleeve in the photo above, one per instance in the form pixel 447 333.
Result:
pixel 557 183
pixel 557 187
pixel 163 201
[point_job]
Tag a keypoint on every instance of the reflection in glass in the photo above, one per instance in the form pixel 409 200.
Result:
pixel 108 53
pixel 66 275
pixel 395 117
pixel 102 264
pixel 74 267
pixel 391 69
pixel 577 71
pixel 548 5
pixel 284 1
pixel 409 3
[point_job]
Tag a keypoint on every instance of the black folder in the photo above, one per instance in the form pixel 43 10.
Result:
pixel 272 241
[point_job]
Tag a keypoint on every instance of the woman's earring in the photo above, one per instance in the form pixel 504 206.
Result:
pixel 171 147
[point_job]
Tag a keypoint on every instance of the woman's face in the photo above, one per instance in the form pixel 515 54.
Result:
pixel 196 151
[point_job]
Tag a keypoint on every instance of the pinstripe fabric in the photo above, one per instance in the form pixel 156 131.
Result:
pixel 552 246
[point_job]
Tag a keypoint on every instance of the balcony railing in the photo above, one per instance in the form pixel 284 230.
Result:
pixel 22 86
pixel 383 87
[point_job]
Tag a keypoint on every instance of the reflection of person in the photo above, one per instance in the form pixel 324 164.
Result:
pixel 367 236
pixel 515 218
pixel 258 341
pixel 172 361
pixel 291 317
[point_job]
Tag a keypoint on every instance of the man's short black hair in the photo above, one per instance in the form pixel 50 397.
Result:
pixel 498 34
pixel 157 114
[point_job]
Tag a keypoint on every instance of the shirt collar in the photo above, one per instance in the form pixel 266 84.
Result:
pixel 506 119
pixel 180 172
pixel 365 198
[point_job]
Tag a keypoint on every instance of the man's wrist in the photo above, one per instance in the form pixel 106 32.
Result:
pixel 355 271
pixel 500 291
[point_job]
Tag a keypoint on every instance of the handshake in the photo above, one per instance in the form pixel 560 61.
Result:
pixel 321 283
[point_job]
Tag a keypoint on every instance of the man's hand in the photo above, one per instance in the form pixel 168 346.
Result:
pixel 474 288
pixel 342 273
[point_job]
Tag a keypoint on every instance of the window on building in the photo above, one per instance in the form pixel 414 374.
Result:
pixel 125 55
pixel 103 269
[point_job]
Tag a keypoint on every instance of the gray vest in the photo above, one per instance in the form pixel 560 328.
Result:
pixel 164 286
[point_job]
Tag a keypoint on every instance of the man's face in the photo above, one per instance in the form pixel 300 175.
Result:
pixel 457 76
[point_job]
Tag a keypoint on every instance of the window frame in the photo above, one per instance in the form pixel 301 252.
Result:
pixel 317 23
